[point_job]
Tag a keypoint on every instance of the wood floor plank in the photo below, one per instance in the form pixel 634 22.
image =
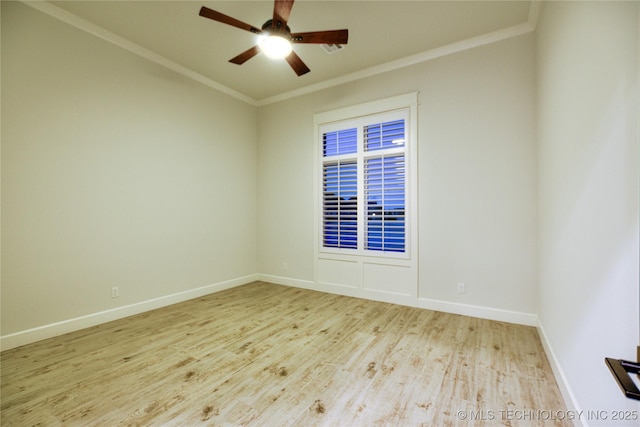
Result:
pixel 263 354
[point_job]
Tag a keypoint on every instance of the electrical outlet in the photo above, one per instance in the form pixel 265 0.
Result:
pixel 285 267
pixel 461 289
pixel 115 292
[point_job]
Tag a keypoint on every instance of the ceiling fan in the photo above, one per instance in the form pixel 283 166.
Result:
pixel 275 36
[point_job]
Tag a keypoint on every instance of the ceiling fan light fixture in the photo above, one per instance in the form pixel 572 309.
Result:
pixel 275 37
pixel 275 46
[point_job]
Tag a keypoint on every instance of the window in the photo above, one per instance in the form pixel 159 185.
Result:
pixel 364 185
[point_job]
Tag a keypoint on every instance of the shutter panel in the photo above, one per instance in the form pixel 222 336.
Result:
pixel 384 135
pixel 340 208
pixel 340 142
pixel 385 196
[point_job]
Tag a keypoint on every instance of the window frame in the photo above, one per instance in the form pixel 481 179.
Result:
pixel 359 116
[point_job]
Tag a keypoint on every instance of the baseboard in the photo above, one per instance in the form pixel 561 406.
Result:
pixel 500 315
pixel 527 319
pixel 287 281
pixel 347 291
pixel 567 394
pixel 70 325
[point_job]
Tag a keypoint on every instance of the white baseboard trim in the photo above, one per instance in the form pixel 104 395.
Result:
pixel 28 336
pixel 287 281
pixel 527 319
pixel 348 291
pixel 567 394
pixel 500 315
pixel 70 325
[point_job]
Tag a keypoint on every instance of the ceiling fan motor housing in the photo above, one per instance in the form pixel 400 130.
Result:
pixel 267 27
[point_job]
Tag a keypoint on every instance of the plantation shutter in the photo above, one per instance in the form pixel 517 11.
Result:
pixel 364 186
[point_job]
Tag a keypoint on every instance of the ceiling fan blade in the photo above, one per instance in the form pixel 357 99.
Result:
pixel 281 12
pixel 245 56
pixel 296 63
pixel 322 37
pixel 221 17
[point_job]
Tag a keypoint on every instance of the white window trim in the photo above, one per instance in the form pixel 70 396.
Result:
pixel 408 102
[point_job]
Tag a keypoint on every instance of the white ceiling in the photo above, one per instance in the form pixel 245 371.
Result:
pixel 380 32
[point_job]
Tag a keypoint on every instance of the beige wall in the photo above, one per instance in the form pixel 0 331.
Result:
pixel 115 172
pixel 476 167
pixel 588 92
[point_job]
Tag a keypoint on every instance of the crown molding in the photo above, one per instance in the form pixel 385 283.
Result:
pixel 495 36
pixel 91 28
pixel 534 13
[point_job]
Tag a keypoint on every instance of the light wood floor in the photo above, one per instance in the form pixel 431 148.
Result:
pixel 269 355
